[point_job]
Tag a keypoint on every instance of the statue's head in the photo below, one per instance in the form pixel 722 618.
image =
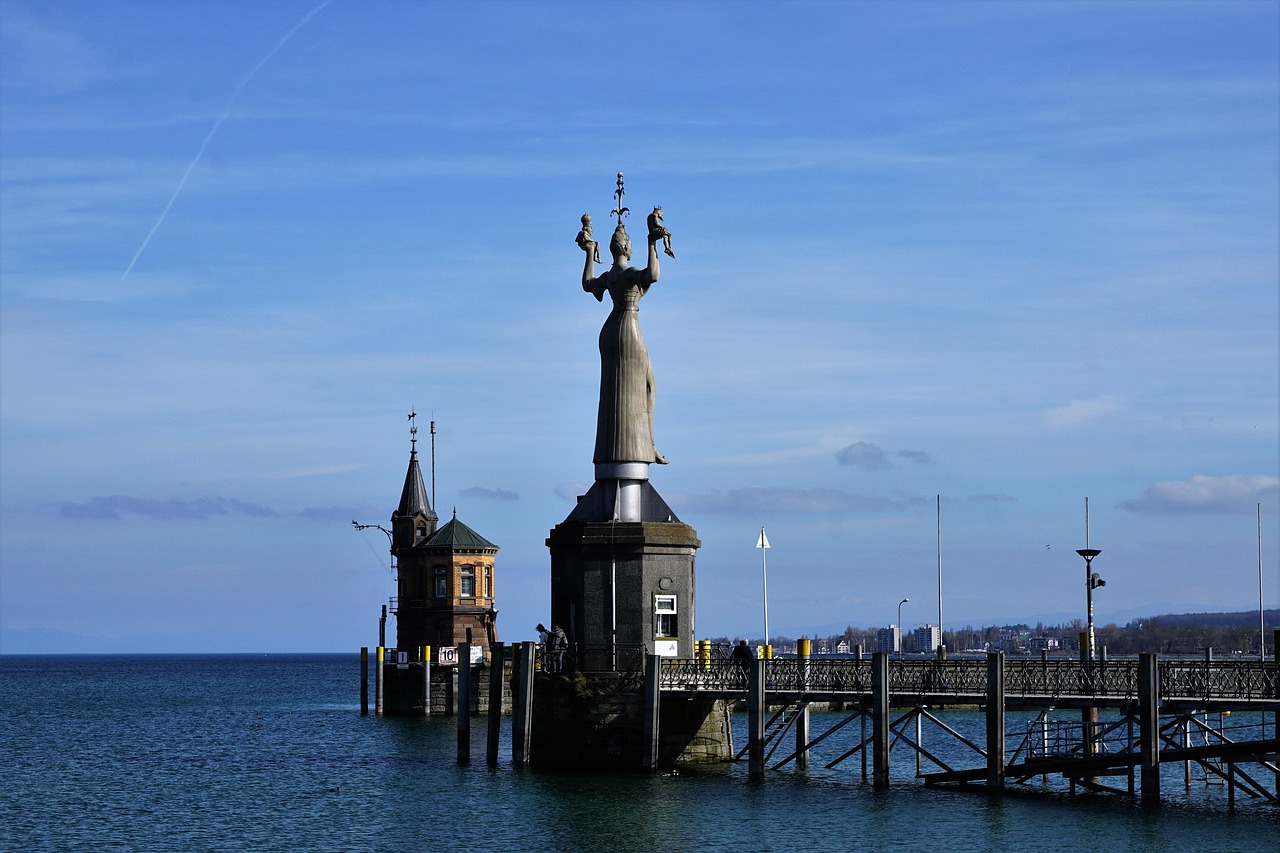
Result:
pixel 620 244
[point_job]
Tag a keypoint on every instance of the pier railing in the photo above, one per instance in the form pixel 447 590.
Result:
pixel 966 680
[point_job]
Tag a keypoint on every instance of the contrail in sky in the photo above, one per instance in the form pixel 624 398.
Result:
pixel 226 112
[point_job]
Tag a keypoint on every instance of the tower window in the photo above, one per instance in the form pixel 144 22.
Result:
pixel 468 586
pixel 488 581
pixel 664 616
pixel 442 583
pixel 420 534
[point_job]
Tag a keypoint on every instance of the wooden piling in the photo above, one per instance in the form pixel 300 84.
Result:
pixel 880 719
pixel 522 703
pixel 464 703
pixel 497 661
pixel 755 719
pixel 377 699
pixel 995 719
pixel 426 681
pixel 1149 726
pixel 803 649
pixel 652 701
pixel 364 681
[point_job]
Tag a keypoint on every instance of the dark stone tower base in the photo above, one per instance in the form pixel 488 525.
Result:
pixel 597 722
pixel 623 589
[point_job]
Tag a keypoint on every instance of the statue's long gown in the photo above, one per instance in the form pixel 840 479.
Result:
pixel 624 424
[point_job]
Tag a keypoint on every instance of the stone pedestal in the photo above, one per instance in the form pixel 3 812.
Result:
pixel 623 589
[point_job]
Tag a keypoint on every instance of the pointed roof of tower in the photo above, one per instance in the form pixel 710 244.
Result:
pixel 457 535
pixel 413 499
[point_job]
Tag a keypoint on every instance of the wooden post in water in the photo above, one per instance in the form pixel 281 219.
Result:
pixel 652 706
pixel 755 719
pixel 803 650
pixel 522 704
pixel 1275 650
pixel 995 719
pixel 1149 727
pixel 880 719
pixel 364 681
pixel 497 664
pixel 426 681
pixel 464 703
pixel 377 699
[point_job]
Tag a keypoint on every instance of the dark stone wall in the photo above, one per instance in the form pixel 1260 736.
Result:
pixel 597 563
pixel 597 722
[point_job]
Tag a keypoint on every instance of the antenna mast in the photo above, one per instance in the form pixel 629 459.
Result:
pixel 433 463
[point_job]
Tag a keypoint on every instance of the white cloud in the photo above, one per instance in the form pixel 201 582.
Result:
pixel 1232 493
pixel 1080 411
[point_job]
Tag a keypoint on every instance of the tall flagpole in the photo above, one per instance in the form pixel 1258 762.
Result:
pixel 1262 621
pixel 763 544
pixel 942 643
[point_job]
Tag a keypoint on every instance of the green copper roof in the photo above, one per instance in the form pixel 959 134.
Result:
pixel 455 534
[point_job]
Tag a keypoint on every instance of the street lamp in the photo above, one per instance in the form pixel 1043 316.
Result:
pixel 898 639
pixel 1091 580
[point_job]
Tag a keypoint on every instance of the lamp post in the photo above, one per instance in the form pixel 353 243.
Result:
pixel 898 639
pixel 1091 580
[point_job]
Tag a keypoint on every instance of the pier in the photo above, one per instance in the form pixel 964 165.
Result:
pixel 1160 703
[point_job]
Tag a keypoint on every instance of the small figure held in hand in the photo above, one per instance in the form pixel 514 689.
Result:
pixel 584 240
pixel 657 229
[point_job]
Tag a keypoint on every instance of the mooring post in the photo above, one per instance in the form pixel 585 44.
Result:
pixel 803 649
pixel 426 681
pixel 862 718
pixel 995 719
pixel 364 681
pixel 880 719
pixel 497 663
pixel 1149 726
pixel 522 704
pixel 652 703
pixel 464 703
pixel 1275 652
pixel 377 681
pixel 755 719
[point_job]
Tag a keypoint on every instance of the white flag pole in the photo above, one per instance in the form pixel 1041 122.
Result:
pixel 763 544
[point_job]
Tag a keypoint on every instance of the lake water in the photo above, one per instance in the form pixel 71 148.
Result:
pixel 269 752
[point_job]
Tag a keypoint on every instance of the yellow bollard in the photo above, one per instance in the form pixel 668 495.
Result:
pixel 804 646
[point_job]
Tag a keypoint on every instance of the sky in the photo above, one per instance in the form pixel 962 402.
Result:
pixel 944 272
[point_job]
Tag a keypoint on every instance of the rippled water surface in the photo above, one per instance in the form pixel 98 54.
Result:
pixel 233 752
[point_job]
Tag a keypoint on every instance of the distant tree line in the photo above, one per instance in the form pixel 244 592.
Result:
pixel 1171 634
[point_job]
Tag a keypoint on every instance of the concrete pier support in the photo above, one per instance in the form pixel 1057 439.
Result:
pixel 652 707
pixel 522 704
pixel 802 737
pixel 497 661
pixel 880 719
pixel 1149 726
pixel 755 720
pixel 995 720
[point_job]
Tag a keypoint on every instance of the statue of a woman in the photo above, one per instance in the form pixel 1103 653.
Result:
pixel 624 424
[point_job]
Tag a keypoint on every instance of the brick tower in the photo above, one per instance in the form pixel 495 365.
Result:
pixel 445 591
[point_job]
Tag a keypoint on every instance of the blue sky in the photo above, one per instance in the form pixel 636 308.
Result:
pixel 1013 254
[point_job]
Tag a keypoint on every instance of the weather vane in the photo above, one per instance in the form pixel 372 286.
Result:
pixel 618 194
pixel 413 430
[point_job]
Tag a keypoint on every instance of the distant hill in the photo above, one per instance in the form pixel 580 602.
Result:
pixel 1214 620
